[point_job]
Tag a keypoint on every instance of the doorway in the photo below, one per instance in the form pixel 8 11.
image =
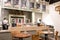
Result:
pixel 17 19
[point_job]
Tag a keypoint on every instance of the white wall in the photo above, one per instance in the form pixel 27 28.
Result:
pixel 38 16
pixel 53 17
pixel 4 13
pixel 0 15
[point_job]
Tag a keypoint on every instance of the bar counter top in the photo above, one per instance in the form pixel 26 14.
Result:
pixel 3 31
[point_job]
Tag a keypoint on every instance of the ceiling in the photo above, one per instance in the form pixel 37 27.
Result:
pixel 52 1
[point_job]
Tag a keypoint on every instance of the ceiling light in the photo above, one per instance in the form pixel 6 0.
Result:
pixel 37 0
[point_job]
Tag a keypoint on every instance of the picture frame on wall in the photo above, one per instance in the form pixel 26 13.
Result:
pixel 37 5
pixel 15 3
pixel 23 3
pixel 31 5
pixel 43 7
pixel 7 3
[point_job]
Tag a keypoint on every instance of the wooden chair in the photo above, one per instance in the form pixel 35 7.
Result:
pixel 13 33
pixel 36 36
pixel 56 35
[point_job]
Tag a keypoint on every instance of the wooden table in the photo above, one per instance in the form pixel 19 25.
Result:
pixel 22 35
pixel 30 29
pixel 46 33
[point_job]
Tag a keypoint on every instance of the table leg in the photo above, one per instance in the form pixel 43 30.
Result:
pixel 46 36
pixel 20 38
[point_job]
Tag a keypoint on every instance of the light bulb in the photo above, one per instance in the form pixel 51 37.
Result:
pixel 5 0
pixel 37 0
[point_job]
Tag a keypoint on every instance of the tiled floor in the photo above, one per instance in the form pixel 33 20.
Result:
pixel 25 39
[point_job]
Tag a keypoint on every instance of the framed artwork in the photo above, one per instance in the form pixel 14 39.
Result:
pixel 31 5
pixel 23 3
pixel 37 6
pixel 43 7
pixel 15 3
pixel 7 2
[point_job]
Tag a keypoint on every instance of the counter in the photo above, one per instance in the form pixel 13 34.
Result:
pixel 1 31
pixel 5 35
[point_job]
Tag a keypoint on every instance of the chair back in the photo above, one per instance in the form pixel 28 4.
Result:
pixel 56 35
pixel 35 37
